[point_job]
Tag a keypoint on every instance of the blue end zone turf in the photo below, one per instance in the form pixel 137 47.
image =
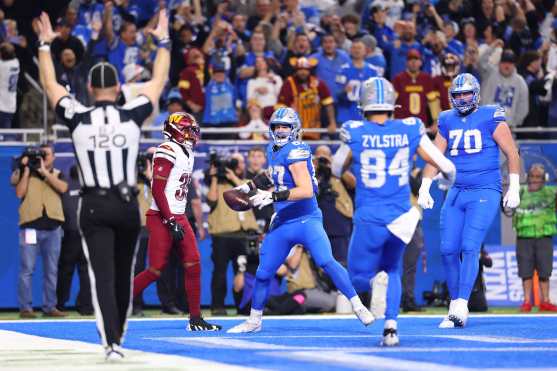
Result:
pixel 322 342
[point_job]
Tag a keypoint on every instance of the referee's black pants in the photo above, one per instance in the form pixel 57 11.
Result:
pixel 110 227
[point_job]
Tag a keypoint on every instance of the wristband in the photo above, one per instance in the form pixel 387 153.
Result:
pixel 514 181
pixel 164 43
pixel 44 46
pixel 426 184
pixel 281 195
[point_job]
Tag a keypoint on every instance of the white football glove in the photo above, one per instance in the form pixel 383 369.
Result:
pixel 425 201
pixel 512 197
pixel 447 177
pixel 261 199
pixel 244 188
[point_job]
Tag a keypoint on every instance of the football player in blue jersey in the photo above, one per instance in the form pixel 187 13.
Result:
pixel 297 220
pixel 380 150
pixel 472 135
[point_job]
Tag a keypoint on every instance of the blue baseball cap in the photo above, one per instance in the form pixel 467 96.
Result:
pixel 173 95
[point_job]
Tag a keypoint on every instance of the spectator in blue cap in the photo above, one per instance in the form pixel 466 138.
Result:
pixel 174 103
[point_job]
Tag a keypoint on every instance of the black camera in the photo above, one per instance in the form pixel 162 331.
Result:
pixel 438 296
pixel 142 159
pixel 34 155
pixel 323 173
pixel 221 164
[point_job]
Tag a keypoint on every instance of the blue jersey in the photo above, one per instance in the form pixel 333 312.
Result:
pixel 121 54
pixel 381 161
pixel 279 162
pixel 353 77
pixel 220 103
pixel 327 69
pixel 471 147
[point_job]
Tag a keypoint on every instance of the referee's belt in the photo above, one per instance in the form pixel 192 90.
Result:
pixel 106 191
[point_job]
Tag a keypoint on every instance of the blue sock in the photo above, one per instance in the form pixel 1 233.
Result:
pixel 260 293
pixel 452 270
pixel 340 278
pixel 468 273
pixel 394 292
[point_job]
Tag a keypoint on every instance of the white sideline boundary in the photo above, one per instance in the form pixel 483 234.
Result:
pixel 30 352
pixel 284 318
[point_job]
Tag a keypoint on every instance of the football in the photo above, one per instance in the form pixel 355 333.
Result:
pixel 237 200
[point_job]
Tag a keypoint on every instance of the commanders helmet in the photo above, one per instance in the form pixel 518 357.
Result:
pixel 182 128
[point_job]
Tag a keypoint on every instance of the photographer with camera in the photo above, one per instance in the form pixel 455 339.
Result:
pixel 257 159
pixel 229 230
pixel 144 200
pixel 335 203
pixel 41 215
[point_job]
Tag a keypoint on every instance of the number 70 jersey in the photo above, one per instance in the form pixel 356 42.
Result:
pixel 381 162
pixel 471 147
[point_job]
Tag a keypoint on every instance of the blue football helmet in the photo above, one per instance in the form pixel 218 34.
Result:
pixel 465 83
pixel 377 94
pixel 285 116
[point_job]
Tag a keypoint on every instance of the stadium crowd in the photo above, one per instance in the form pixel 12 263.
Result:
pixel 233 62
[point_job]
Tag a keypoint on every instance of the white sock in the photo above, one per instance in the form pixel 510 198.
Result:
pixel 462 302
pixel 390 323
pixel 356 302
pixel 255 315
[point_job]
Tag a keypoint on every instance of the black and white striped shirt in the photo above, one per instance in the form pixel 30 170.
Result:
pixel 105 138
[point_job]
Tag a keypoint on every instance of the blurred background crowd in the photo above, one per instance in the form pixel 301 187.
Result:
pixel 233 61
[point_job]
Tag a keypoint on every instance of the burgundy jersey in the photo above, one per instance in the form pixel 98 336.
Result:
pixel 413 94
pixel 441 84
pixel 176 190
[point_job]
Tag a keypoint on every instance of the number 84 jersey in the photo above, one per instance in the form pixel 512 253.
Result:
pixel 176 189
pixel 381 162
pixel 471 147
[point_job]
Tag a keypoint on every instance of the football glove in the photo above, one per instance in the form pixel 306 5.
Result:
pixel 175 228
pixel 446 178
pixel 512 197
pixel 425 201
pixel 244 188
pixel 261 199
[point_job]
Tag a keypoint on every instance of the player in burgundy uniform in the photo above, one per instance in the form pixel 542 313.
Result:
pixel 415 93
pixel 166 220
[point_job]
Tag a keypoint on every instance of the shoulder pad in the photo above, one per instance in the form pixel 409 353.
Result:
pixel 299 153
pixel 345 132
pixel 167 146
pixel 411 121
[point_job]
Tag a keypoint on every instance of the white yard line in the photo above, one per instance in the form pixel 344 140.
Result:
pixel 29 352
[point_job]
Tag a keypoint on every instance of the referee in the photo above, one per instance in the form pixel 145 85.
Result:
pixel 106 144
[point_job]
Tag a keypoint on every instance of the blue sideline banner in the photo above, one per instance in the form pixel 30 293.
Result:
pixel 539 152
pixel 504 287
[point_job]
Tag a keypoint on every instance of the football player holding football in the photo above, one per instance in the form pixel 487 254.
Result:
pixel 298 219
pixel 166 220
